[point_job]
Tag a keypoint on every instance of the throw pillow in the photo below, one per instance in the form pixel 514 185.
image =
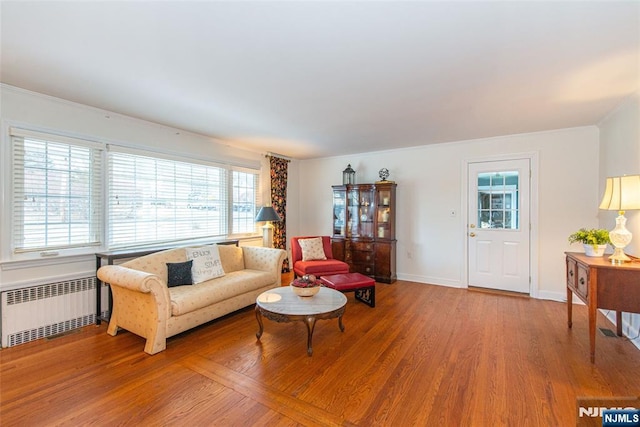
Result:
pixel 232 258
pixel 312 249
pixel 179 273
pixel 206 263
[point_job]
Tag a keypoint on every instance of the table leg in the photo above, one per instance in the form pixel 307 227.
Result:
pixel 593 312
pixel 569 307
pixel 98 293
pixel 619 323
pixel 340 325
pixel 592 332
pixel 260 326
pixel 310 321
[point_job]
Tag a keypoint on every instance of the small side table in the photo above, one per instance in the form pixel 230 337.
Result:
pixel 600 284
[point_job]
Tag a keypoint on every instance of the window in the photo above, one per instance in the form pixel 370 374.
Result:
pixel 244 190
pixel 498 200
pixel 155 200
pixel 60 191
pixel 57 192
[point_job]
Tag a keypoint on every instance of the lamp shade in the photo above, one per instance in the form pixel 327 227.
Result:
pixel 267 213
pixel 621 193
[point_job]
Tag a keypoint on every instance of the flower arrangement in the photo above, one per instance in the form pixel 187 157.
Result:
pixel 306 281
pixel 306 286
pixel 593 237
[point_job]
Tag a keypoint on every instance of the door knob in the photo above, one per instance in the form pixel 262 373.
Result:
pixel 472 226
pixel 472 234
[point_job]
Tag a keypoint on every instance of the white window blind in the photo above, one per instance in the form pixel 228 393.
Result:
pixel 56 192
pixel 244 190
pixel 156 200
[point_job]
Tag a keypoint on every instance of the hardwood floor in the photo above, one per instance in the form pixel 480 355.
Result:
pixel 424 356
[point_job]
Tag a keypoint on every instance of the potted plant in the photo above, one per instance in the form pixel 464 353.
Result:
pixel 594 240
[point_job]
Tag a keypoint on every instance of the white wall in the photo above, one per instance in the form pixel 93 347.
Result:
pixel 36 111
pixel 620 155
pixel 431 183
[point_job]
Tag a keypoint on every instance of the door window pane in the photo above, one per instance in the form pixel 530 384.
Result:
pixel 498 200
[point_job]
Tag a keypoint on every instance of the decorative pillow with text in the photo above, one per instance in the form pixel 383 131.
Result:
pixel 206 263
pixel 312 249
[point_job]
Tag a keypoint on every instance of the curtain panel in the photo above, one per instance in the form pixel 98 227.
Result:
pixel 279 168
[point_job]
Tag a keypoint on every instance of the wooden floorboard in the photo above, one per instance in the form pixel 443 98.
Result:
pixel 425 355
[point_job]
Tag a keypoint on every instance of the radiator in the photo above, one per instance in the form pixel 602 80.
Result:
pixel 50 309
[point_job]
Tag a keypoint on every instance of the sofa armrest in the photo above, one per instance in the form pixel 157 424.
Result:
pixel 129 278
pixel 138 281
pixel 265 259
pixel 141 304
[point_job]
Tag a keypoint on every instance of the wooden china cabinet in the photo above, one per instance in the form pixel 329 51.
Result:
pixel 364 232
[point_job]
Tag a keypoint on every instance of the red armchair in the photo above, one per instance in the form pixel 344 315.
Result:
pixel 316 267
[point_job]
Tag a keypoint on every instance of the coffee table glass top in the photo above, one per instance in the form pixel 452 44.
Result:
pixel 283 300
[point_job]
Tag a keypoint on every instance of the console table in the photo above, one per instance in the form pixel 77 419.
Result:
pixel 600 284
pixel 110 256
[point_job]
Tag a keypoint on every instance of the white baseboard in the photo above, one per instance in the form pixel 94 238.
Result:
pixel 432 280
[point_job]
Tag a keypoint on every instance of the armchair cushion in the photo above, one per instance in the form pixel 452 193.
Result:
pixel 312 249
pixel 321 268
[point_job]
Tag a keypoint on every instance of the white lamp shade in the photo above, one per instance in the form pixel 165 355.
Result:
pixel 621 193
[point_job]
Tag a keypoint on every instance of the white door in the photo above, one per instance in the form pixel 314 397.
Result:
pixel 498 225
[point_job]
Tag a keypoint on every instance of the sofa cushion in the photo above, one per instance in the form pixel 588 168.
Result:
pixel 206 263
pixel 179 273
pixel 185 299
pixel 312 249
pixel 231 257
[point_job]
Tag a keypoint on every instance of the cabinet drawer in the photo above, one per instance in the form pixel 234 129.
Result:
pixel 572 273
pixel 582 283
pixel 366 269
pixel 363 257
pixel 360 246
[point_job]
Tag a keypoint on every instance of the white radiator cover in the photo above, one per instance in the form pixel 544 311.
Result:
pixel 41 311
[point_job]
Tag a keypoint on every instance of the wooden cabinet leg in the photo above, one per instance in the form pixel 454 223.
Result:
pixel 569 307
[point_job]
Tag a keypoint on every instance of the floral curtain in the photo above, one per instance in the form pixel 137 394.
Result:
pixel 279 168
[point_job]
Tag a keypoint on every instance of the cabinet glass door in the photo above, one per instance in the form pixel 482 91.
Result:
pixel 360 212
pixel 339 213
pixel 383 214
pixel 366 211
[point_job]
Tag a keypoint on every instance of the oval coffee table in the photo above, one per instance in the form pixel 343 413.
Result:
pixel 283 305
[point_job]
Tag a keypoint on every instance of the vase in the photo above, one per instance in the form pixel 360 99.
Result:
pixel 589 250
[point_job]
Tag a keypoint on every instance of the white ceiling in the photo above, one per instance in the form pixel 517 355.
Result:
pixel 325 78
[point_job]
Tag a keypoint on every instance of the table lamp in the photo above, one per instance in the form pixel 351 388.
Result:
pixel 622 193
pixel 268 214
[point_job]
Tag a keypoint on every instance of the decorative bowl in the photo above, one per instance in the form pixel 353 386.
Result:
pixel 305 286
pixel 305 292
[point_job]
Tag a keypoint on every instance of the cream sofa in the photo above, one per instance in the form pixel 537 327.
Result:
pixel 145 305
